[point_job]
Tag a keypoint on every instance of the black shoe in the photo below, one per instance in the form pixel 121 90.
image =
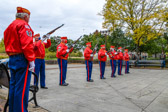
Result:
pixel 44 87
pixel 113 76
pixel 65 84
pixel 91 80
pixel 128 72
pixel 103 78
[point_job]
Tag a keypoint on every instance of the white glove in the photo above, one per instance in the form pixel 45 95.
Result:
pixel 91 55
pixel 67 50
pixel 106 54
pixel 115 53
pixel 32 66
pixel 73 45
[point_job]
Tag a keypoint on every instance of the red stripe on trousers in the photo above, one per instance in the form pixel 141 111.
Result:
pixel 126 67
pixel 24 87
pixel 61 71
pixel 88 69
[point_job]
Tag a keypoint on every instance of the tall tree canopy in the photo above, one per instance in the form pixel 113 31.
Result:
pixel 143 20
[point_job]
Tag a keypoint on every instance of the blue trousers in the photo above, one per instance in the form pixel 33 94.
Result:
pixel 126 66
pixel 63 70
pixel 102 65
pixel 40 68
pixel 113 67
pixel 19 83
pixel 120 67
pixel 89 65
pixel 163 63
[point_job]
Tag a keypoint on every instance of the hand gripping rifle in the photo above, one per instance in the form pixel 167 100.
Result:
pixel 91 58
pixel 107 53
pixel 72 45
pixel 52 31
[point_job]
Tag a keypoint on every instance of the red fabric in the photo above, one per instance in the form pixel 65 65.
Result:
pixel 101 55
pixel 61 50
pixel 126 56
pixel 22 10
pixel 89 43
pixel 87 53
pixel 39 48
pixel 37 35
pixel 120 56
pixel 112 47
pixel 18 39
pixel 102 45
pixel 120 48
pixel 112 55
pixel 63 37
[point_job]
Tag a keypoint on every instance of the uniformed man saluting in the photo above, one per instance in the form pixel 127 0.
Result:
pixel 62 55
pixel 18 39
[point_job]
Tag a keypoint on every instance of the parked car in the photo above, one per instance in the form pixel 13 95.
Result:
pixel 5 62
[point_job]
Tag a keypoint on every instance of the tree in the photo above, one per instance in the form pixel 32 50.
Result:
pixel 143 20
pixel 2 46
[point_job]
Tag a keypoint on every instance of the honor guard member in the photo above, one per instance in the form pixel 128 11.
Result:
pixel 39 49
pixel 102 57
pixel 113 58
pixel 88 54
pixel 120 60
pixel 163 58
pixel 126 59
pixel 18 39
pixel 62 55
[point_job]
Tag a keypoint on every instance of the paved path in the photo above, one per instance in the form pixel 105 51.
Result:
pixel 143 90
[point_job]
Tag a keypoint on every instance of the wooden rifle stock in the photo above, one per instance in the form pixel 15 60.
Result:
pixel 52 31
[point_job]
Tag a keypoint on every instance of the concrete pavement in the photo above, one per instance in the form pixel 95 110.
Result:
pixel 143 90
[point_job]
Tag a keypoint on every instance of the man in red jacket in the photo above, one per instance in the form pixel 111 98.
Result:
pixel 120 60
pixel 62 55
pixel 113 58
pixel 88 54
pixel 39 49
pixel 102 57
pixel 126 59
pixel 18 39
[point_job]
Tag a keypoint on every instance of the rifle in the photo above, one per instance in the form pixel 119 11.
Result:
pixel 52 31
pixel 91 58
pixel 72 46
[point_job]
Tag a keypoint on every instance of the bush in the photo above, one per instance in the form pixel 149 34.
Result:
pixel 50 55
pixel 76 54
pixel 3 57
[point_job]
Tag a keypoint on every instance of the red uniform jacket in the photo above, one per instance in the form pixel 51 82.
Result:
pixel 61 50
pixel 87 53
pixel 101 55
pixel 39 48
pixel 112 55
pixel 120 56
pixel 18 39
pixel 126 56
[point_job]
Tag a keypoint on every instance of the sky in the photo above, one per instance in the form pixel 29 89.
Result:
pixel 78 16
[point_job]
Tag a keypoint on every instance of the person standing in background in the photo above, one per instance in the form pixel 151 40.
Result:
pixel 102 57
pixel 39 49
